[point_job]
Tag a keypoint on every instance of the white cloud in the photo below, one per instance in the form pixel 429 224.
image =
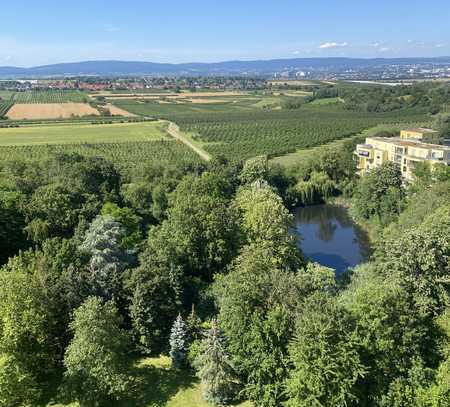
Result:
pixel 384 49
pixel 296 52
pixel 440 45
pixel 7 58
pixel 375 44
pixel 331 45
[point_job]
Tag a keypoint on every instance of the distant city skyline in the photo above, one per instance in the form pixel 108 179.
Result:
pixel 49 31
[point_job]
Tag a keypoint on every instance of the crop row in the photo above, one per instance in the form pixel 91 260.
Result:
pixel 244 135
pixel 5 105
pixel 50 96
pixel 130 157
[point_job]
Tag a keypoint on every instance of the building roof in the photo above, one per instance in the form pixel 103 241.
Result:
pixel 421 130
pixel 410 143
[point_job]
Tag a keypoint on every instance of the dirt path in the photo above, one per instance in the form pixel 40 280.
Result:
pixel 175 132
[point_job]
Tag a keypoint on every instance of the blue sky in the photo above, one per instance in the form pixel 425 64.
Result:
pixel 45 31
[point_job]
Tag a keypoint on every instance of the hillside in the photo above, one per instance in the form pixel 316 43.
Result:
pixel 216 68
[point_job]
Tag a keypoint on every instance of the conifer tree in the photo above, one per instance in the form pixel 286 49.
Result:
pixel 215 370
pixel 179 343
pixel 108 259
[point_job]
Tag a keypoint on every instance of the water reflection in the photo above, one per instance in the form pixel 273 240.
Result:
pixel 329 236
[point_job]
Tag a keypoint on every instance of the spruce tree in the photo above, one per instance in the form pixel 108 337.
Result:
pixel 108 259
pixel 215 370
pixel 179 343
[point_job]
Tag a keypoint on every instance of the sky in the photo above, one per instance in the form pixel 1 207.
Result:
pixel 48 31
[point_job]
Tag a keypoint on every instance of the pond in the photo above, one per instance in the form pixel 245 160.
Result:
pixel 328 235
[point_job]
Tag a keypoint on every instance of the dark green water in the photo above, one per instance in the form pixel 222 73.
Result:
pixel 328 235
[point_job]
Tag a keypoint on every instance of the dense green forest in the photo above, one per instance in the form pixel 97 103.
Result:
pixel 197 262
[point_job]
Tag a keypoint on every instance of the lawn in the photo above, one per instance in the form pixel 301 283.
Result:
pixel 83 133
pixel 158 385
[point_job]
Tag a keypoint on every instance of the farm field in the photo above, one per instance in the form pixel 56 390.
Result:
pixel 170 109
pixel 127 145
pixel 4 107
pixel 117 111
pixel 50 96
pixel 258 125
pixel 327 101
pixel 294 158
pixel 50 111
pixel 83 133
pixel 291 82
pixel 172 95
pixel 128 156
pixel 242 135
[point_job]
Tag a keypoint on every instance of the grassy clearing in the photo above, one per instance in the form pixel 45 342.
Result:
pixel 158 385
pixel 83 133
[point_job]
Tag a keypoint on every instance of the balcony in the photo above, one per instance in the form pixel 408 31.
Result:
pixel 364 150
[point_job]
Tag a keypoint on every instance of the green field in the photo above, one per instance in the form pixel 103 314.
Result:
pixel 127 145
pixel 251 125
pixel 327 101
pixel 83 133
pixel 238 128
pixel 50 96
pixel 5 105
pixel 243 135
pixel 6 94
pixel 172 110
pixel 128 156
pixel 294 158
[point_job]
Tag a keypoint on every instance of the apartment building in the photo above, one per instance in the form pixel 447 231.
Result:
pixel 406 151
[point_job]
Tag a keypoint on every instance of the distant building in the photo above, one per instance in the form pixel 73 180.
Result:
pixel 406 151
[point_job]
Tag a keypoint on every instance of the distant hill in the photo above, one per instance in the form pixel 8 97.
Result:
pixel 258 67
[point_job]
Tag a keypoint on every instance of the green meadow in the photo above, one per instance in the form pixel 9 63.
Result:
pixel 82 133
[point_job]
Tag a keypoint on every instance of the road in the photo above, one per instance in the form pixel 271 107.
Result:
pixel 175 132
